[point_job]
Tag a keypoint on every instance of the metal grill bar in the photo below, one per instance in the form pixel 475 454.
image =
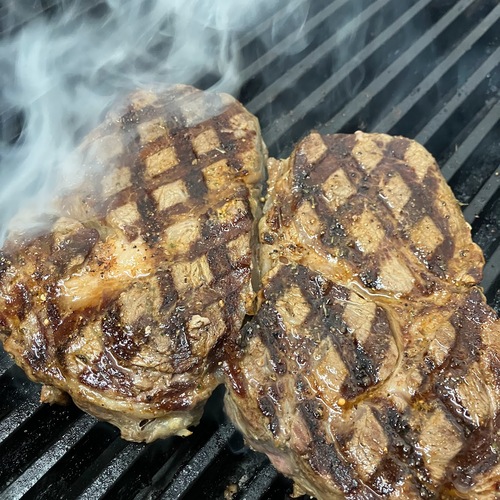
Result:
pixel 5 362
pixel 471 143
pixel 21 12
pixel 489 190
pixel 109 474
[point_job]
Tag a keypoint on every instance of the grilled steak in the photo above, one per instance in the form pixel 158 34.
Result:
pixel 126 301
pixel 372 367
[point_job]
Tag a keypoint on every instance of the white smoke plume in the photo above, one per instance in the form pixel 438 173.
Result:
pixel 61 71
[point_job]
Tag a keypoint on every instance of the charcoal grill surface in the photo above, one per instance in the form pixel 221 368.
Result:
pixel 426 69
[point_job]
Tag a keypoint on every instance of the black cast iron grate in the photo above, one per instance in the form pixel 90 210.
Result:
pixel 427 69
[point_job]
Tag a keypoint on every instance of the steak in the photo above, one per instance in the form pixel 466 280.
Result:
pixel 372 366
pixel 127 300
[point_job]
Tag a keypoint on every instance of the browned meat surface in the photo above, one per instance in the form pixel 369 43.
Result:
pixel 372 367
pixel 126 301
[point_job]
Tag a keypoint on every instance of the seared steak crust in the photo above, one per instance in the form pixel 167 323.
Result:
pixel 127 300
pixel 371 369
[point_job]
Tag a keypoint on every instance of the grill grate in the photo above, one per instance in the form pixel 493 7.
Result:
pixel 428 69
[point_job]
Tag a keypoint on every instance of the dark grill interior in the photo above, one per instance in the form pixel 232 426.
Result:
pixel 427 69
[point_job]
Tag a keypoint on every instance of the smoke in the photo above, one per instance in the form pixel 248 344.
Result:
pixel 61 70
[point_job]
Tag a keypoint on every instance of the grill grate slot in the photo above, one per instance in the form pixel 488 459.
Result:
pixel 491 281
pixel 23 411
pixel 342 83
pixel 91 456
pixel 238 474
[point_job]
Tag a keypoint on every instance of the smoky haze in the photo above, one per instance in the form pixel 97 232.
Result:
pixel 61 71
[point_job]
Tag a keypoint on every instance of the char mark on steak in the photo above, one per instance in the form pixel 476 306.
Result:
pixel 126 301
pixel 370 369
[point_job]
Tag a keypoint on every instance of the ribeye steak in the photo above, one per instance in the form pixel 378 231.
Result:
pixel 372 367
pixel 126 301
